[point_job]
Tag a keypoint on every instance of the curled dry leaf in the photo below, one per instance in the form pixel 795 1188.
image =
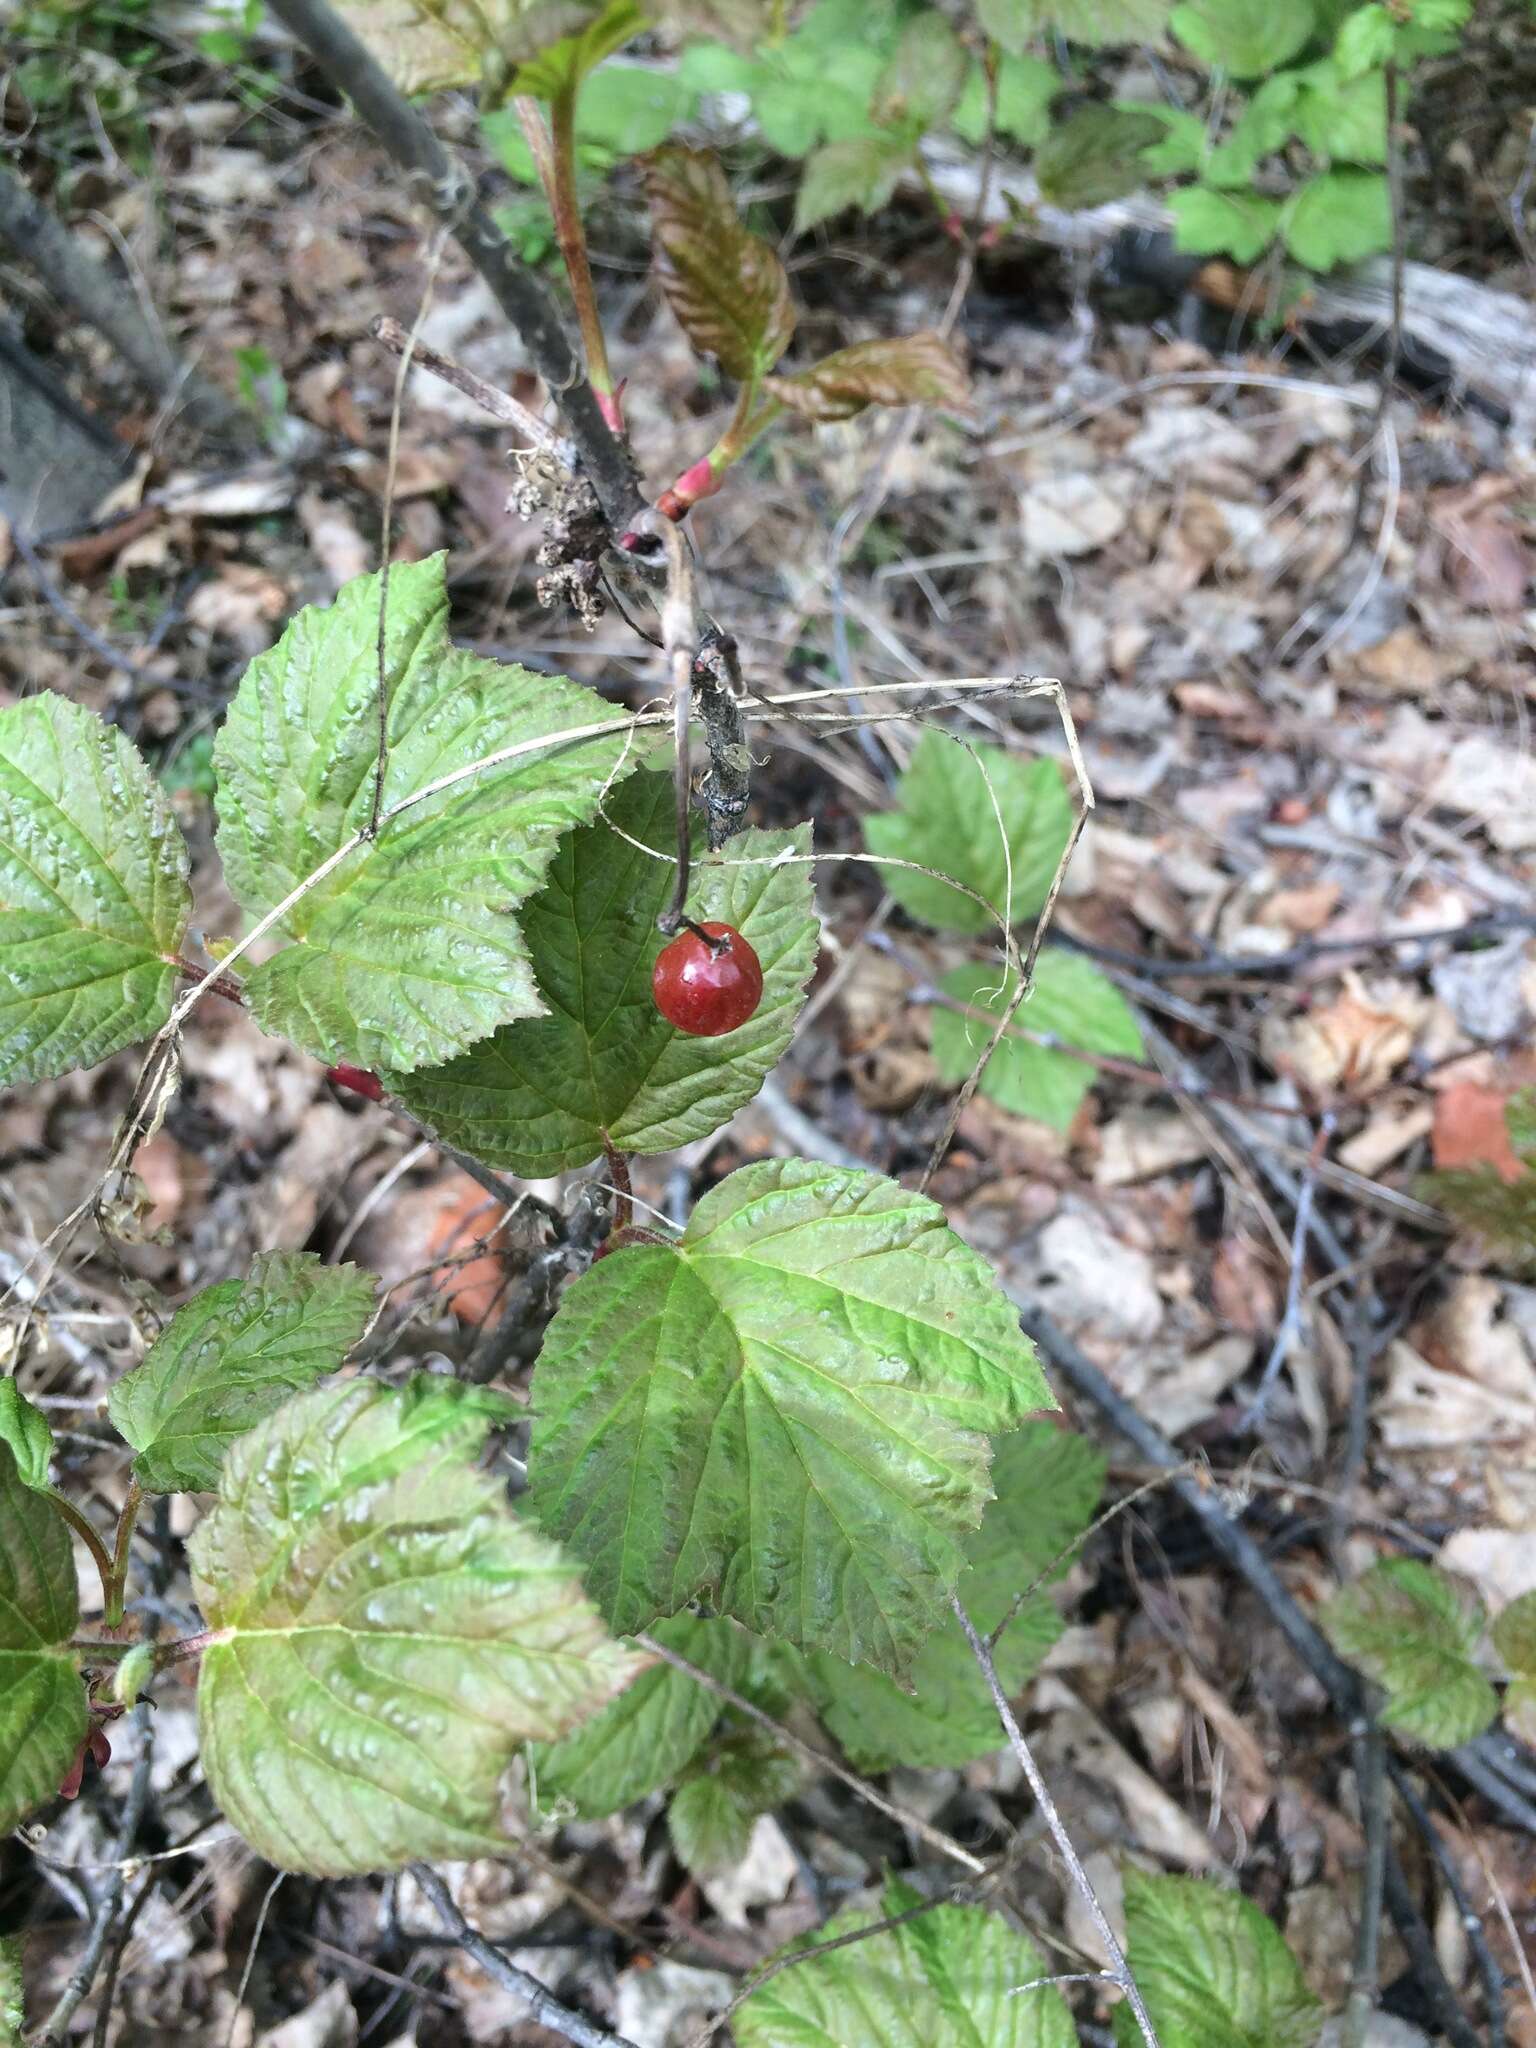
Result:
pixel 915 369
pixel 725 284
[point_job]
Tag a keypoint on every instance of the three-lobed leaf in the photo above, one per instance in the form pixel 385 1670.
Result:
pixel 1214 1972
pixel 920 87
pixel 540 1095
pixel 1415 1631
pixel 914 369
pixel 1248 38
pixel 1070 999
pixel 386 1632
pixel 947 1978
pixel 94 895
pixel 856 171
pixel 234 1353
pixel 42 1701
pixel 1095 155
pixel 409 950
pixel 980 815
pixel 1340 217
pixel 1047 1483
pixel 787 1411
pixel 1210 223
pixel 726 285
pixel 24 1427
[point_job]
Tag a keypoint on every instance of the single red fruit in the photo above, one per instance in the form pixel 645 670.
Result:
pixel 358 1079
pixel 704 992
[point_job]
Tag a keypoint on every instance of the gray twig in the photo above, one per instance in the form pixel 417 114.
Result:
pixel 1370 1752
pixel 543 2006
pixel 1119 1968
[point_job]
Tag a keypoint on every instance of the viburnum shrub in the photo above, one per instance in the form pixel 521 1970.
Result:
pixel 785 1460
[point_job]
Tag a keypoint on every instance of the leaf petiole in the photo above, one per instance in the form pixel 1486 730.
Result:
pixel 100 1556
pixel 702 480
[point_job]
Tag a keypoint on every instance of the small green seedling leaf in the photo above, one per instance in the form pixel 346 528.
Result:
pixel 1047 1484
pixel 948 819
pixel 946 1978
pixel 1415 1631
pixel 1248 38
pixel 655 1728
pixel 921 85
pixel 1209 223
pixel 1514 1637
pixel 917 369
pixel 1025 88
pixel 1070 1000
pixel 1096 155
pixel 858 171
pixel 562 67
pixel 25 1428
pixel 232 1355
pixel 725 284
pixel 409 951
pixel 1340 217
pixel 786 1411
pixel 387 1633
pixel 715 1809
pixel 538 1097
pixel 94 898
pixel 1215 1973
pixel 42 1700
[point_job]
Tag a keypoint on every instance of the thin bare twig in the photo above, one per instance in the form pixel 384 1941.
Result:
pixel 1119 1968
pixel 543 2007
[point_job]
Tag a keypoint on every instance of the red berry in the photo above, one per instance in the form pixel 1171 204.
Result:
pixel 358 1079
pixel 704 992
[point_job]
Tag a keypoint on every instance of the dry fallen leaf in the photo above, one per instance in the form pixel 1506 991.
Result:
pixel 1469 1130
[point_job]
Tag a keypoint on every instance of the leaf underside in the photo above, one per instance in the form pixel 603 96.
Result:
pixel 93 891
pixel 787 1412
pixel 232 1355
pixel 389 1632
pixel 913 369
pixel 410 950
pixel 538 1097
pixel 42 1701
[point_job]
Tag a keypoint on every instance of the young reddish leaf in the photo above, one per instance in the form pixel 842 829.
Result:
pixel 914 369
pixel 726 285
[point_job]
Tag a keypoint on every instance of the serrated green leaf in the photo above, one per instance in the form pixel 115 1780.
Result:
pixel 563 66
pixel 1095 155
pixel 410 950
pixel 1236 224
pixel 652 1731
pixel 715 1809
pixel 1248 38
pixel 42 1701
pixel 429 45
pixel 538 1097
pixel 787 1411
pixel 726 285
pixel 1014 23
pixel 1070 1000
pixel 232 1355
pixel 1340 217
pixel 387 1632
pixel 25 1428
pixel 1341 119
pixel 1025 88
pixel 911 369
pixel 860 171
pixel 942 1980
pixel 1185 144
pixel 1366 40
pixel 1414 1631
pixel 93 891
pixel 921 85
pixel 13 2018
pixel 946 820
pixel 1047 1482
pixel 1215 1973
pixel 626 109
pixel 1514 1634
